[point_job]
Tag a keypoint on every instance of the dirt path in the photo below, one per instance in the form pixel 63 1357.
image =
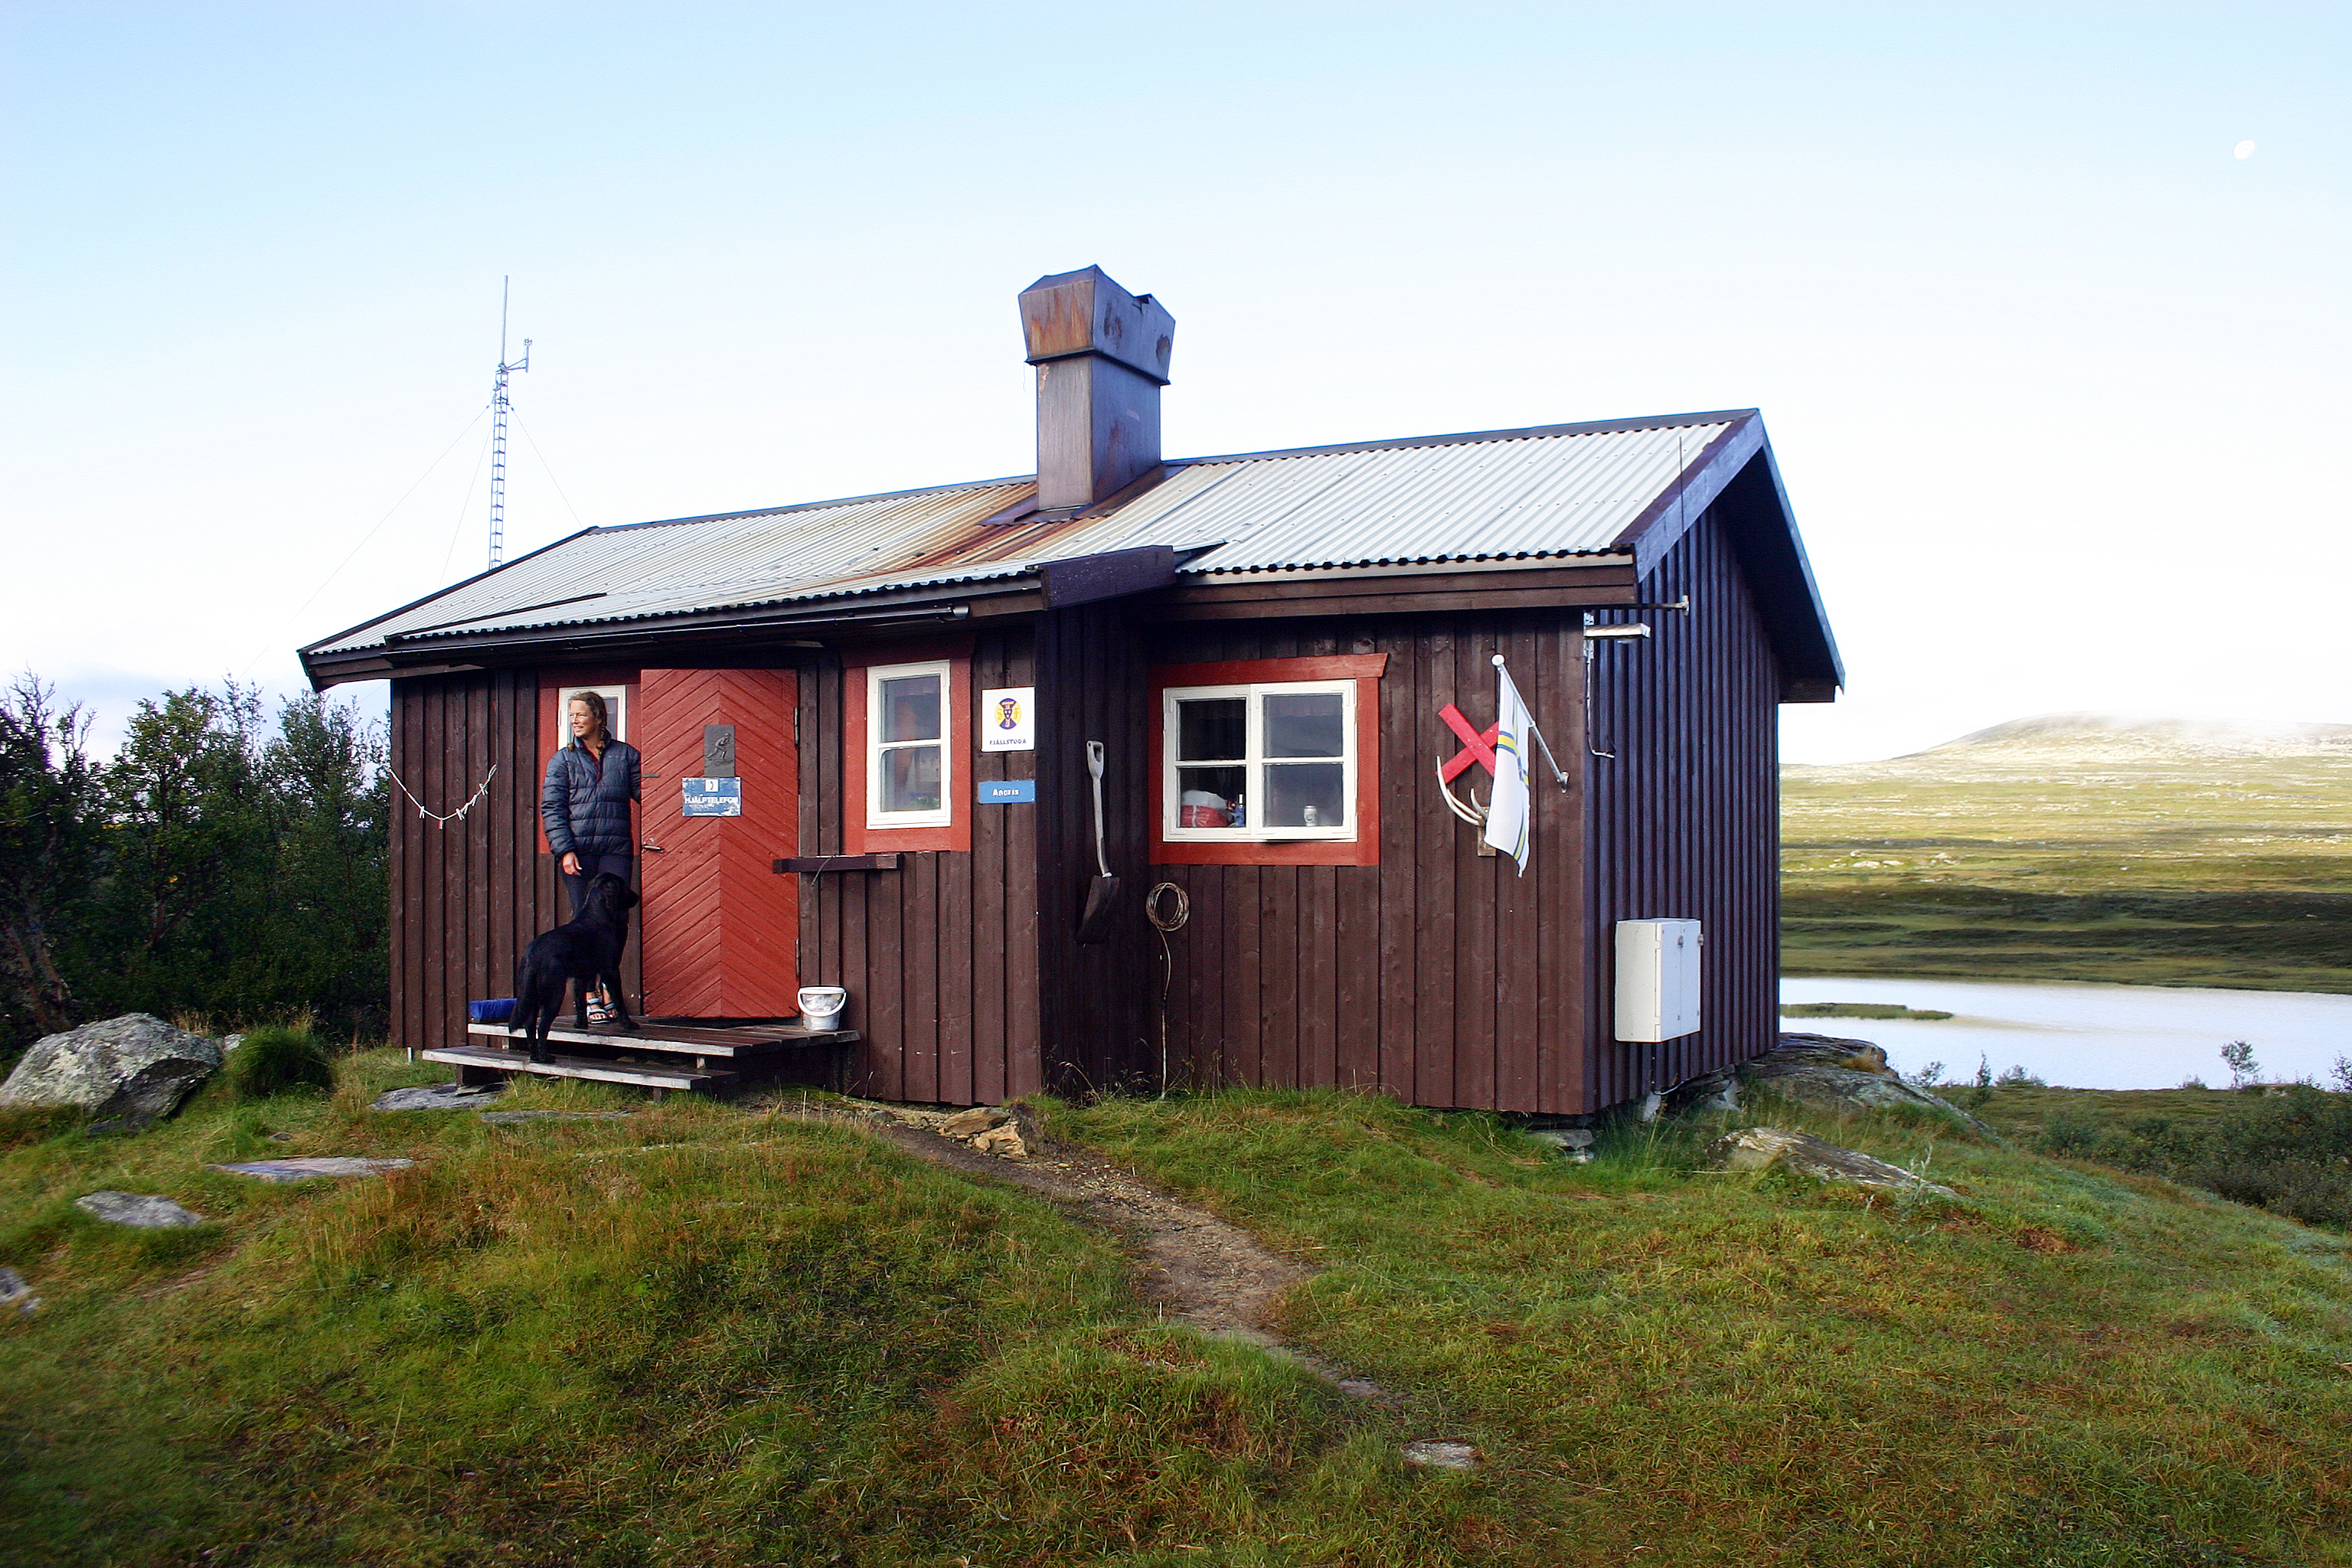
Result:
pixel 1202 1269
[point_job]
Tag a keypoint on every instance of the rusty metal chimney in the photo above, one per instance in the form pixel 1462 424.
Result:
pixel 1101 355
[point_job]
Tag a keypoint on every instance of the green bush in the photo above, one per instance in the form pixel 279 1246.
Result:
pixel 2289 1150
pixel 275 1059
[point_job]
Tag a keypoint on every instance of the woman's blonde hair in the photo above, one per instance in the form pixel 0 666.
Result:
pixel 596 701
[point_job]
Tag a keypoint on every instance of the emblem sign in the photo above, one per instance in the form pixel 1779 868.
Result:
pixel 1008 718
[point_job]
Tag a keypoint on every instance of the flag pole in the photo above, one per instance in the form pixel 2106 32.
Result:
pixel 1533 729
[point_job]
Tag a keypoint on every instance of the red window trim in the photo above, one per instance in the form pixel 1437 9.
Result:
pixel 857 839
pixel 1365 670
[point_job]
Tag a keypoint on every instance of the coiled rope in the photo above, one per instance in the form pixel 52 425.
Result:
pixel 1163 924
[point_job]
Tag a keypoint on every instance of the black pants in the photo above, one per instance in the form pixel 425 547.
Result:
pixel 624 867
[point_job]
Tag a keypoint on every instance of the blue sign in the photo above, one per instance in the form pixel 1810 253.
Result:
pixel 714 797
pixel 1008 792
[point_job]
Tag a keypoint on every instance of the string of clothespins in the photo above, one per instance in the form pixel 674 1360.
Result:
pixel 439 819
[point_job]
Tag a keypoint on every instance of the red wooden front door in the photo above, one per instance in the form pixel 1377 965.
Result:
pixel 720 927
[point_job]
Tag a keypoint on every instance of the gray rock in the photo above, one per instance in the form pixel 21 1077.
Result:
pixel 1840 1089
pixel 511 1118
pixel 1761 1148
pixel 140 1212
pixel 438 1097
pixel 1003 1139
pixel 17 1294
pixel 1566 1140
pixel 972 1122
pixel 303 1170
pixel 231 1042
pixel 1822 1072
pixel 1833 1051
pixel 127 1072
pixel 1441 1456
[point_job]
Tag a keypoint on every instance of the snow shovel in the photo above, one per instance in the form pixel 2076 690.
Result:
pixel 1102 893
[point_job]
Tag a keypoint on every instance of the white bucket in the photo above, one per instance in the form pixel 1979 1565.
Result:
pixel 821 1006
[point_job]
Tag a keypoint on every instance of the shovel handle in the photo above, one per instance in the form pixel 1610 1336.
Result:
pixel 1095 766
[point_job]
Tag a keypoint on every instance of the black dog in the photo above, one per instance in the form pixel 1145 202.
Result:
pixel 586 949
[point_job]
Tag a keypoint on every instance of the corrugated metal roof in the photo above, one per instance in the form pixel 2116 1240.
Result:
pixel 1569 490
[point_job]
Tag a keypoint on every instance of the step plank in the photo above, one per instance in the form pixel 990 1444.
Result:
pixel 674 1040
pixel 644 1075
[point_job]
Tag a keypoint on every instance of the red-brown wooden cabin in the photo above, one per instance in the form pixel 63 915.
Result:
pixel 1293 621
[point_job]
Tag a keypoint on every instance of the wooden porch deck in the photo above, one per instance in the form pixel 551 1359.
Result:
pixel 658 1057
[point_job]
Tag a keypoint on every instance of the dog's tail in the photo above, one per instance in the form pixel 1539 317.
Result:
pixel 526 1001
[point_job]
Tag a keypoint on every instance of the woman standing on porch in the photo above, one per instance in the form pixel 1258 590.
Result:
pixel 584 803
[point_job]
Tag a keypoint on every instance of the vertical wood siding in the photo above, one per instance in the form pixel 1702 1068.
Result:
pixel 468 896
pixel 1439 975
pixel 940 956
pixel 1686 820
pixel 1092 999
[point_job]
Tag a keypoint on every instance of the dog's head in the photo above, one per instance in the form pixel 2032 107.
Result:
pixel 612 892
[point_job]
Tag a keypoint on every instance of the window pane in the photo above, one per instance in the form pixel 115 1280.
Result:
pixel 911 777
pixel 1304 724
pixel 1306 794
pixel 910 707
pixel 1211 796
pixel 1216 728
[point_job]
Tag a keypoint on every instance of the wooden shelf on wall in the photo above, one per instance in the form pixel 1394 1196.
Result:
pixel 809 864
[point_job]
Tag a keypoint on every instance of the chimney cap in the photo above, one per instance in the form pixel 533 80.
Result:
pixel 1066 314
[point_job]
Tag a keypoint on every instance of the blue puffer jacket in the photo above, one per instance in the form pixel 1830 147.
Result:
pixel 586 808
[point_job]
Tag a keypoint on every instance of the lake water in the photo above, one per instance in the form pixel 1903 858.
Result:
pixel 2089 1037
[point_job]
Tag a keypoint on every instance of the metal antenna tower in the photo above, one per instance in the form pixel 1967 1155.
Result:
pixel 499 403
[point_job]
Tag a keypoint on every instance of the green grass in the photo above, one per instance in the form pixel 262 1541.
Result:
pixel 2073 1367
pixel 694 1336
pixel 2073 857
pixel 708 1335
pixel 2023 1111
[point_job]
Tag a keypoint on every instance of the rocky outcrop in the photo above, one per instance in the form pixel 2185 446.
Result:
pixel 1824 1073
pixel 439 1096
pixel 1762 1148
pixel 16 1295
pixel 991 1129
pixel 126 1072
pixel 1436 1456
pixel 312 1166
pixel 138 1210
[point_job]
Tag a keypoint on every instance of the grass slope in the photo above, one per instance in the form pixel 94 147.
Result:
pixel 708 1336
pixel 2081 850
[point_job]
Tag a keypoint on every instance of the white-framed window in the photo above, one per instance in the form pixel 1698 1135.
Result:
pixel 910 754
pixel 1251 763
pixel 616 709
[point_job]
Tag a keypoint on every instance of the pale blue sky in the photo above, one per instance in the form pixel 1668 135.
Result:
pixel 2058 383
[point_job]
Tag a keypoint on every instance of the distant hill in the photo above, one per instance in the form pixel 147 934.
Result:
pixel 2189 735
pixel 2079 846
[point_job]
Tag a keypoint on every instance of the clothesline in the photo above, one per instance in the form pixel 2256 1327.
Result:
pixel 443 819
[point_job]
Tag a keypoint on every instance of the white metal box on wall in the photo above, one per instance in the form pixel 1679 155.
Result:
pixel 1657 979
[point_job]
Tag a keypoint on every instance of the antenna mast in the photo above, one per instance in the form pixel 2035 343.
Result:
pixel 499 403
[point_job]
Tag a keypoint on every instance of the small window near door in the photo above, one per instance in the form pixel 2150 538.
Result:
pixel 909 751
pixel 1259 762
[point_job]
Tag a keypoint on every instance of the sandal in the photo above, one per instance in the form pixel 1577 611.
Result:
pixel 599 1010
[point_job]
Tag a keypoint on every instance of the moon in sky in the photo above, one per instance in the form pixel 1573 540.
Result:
pixel 2245 150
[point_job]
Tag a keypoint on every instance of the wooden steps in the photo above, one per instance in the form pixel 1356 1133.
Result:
pixel 473 1059
pixel 710 1054
pixel 686 1039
